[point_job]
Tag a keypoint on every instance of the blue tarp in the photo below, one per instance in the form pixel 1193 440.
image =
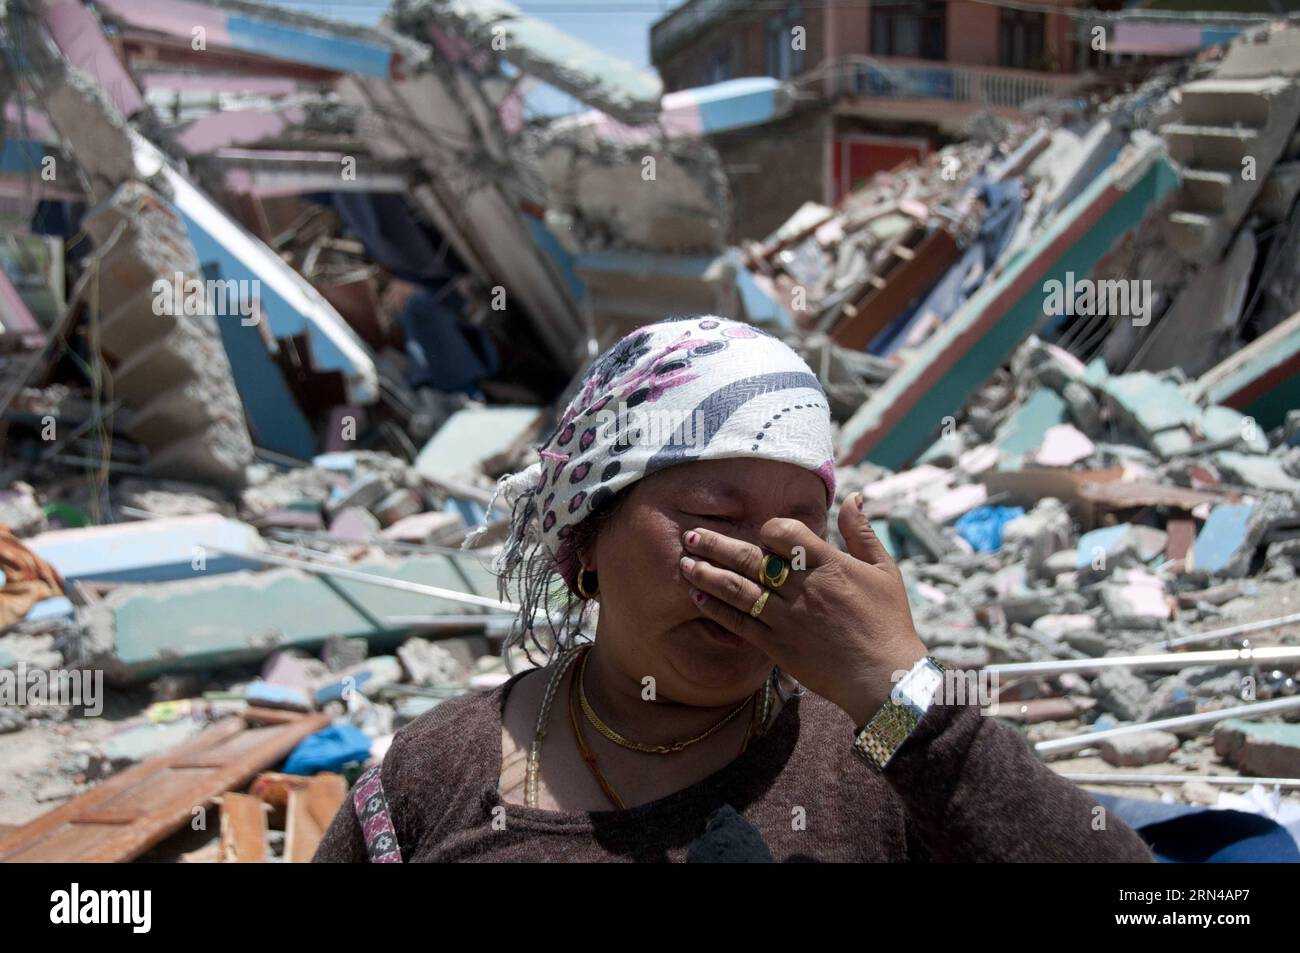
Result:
pixel 328 750
pixel 982 526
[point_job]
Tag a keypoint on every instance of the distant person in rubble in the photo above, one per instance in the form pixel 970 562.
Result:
pixel 748 690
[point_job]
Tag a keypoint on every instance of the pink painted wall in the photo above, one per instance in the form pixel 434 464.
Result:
pixel 972 33
pixel 1059 42
pixel 848 29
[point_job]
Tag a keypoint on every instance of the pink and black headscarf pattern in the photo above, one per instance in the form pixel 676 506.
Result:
pixel 701 388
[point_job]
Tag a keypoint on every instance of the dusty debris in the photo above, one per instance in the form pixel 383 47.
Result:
pixel 108 822
pixel 267 407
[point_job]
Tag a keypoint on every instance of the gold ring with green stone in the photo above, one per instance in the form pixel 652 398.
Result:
pixel 773 570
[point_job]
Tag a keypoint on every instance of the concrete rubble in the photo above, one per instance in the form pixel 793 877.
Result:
pixel 1062 356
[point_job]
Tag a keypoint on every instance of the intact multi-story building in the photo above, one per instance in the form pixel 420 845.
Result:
pixel 878 81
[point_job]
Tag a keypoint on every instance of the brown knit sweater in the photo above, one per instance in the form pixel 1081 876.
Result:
pixel 962 788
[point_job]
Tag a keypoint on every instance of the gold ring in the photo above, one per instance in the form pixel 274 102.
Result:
pixel 757 608
pixel 772 571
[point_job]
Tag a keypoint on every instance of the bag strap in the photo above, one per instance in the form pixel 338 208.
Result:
pixel 371 808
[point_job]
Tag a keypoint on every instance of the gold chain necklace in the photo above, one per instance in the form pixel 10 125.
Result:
pixel 622 742
pixel 558 668
pixel 534 770
pixel 589 756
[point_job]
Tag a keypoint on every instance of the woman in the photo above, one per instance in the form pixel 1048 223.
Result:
pixel 751 692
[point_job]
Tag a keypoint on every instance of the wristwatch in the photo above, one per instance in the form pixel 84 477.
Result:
pixel 885 733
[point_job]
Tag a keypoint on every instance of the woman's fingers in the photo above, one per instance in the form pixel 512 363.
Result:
pixel 859 537
pixel 731 618
pixel 735 554
pixel 794 541
pixel 731 588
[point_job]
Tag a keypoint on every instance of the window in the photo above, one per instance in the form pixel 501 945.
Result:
pixel 783 60
pixel 1020 39
pixel 717 66
pixel 917 29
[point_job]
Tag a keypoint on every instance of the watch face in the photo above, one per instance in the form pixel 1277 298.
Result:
pixel 920 685
pixel 929 682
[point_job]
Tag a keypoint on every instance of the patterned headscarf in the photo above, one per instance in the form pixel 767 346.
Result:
pixel 689 389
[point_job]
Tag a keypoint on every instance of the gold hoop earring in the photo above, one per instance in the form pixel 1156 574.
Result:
pixel 582 583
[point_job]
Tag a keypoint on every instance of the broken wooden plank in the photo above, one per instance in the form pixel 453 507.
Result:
pixel 243 830
pixel 165 795
pixel 1116 495
pixel 915 273
pixel 1027 486
pixel 311 809
pixel 1181 536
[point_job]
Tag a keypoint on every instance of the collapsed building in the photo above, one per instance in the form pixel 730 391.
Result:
pixel 316 286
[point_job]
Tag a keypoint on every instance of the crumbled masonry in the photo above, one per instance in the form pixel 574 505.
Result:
pixel 1061 354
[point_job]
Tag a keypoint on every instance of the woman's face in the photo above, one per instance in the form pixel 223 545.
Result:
pixel 647 619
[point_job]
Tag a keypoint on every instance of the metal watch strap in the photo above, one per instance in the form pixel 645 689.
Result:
pixel 885 733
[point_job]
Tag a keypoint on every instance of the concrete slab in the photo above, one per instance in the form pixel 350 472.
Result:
pixel 243 617
pixel 1262 379
pixel 908 411
pixel 154 550
pixel 1263 748
pixel 1222 544
pixel 471 436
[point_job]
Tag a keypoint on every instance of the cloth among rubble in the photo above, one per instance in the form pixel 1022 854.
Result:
pixel 394 237
pixel 27 578
pixel 1183 834
pixel 446 352
pixel 735 392
pixel 982 526
pixel 328 750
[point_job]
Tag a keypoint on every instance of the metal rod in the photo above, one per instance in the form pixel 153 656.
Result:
pixel 1170 660
pixel 301 552
pixel 1177 779
pixel 358 576
pixel 478 620
pixel 316 535
pixel 116 466
pixel 278 459
pixel 301 539
pixel 1091 738
pixel 1233 630
pixel 63 323
pixel 484 498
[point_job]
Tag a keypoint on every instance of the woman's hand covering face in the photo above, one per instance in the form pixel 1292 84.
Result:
pixel 840 623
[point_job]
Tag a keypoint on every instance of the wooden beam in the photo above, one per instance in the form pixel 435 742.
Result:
pixel 310 811
pixel 164 791
pixel 917 271
pixel 243 830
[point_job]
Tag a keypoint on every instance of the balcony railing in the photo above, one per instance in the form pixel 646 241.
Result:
pixel 980 86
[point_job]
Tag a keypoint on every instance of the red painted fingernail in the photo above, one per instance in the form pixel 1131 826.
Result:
pixel 692 538
pixel 697 597
pixel 861 500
